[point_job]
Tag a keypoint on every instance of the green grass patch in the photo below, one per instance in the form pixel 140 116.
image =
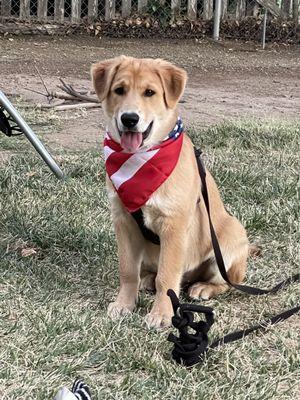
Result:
pixel 53 302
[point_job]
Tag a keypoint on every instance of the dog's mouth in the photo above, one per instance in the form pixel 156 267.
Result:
pixel 131 141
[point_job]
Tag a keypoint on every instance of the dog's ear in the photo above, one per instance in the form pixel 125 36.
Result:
pixel 103 74
pixel 173 81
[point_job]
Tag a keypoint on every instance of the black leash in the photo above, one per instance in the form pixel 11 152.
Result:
pixel 216 247
pixel 154 238
pixel 189 348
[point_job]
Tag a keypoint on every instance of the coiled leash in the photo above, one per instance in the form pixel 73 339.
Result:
pixel 190 348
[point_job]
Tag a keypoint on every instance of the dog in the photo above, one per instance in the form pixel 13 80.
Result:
pixel 139 98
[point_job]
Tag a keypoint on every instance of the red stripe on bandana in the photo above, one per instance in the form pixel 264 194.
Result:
pixel 136 176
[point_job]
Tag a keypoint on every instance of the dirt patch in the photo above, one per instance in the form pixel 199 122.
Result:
pixel 226 80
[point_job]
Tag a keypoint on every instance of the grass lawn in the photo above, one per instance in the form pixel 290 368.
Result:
pixel 58 272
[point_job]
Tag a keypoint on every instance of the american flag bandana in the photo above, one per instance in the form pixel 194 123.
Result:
pixel 135 176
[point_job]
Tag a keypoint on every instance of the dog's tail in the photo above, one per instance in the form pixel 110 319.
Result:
pixel 255 250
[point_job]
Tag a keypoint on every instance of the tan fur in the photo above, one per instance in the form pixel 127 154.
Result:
pixel 173 211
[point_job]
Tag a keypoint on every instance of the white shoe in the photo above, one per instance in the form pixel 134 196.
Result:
pixel 80 391
pixel 65 394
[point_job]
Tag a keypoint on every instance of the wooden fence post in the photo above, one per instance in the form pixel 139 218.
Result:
pixel 59 10
pixel 175 7
pixel 207 9
pixel 142 5
pixel 240 9
pixel 272 7
pixel 192 10
pixel 24 9
pixel 256 10
pixel 42 9
pixel 224 9
pixel 252 9
pixel 296 12
pixel 286 7
pixel 76 11
pixel 126 8
pixel 92 10
pixel 110 9
pixel 6 8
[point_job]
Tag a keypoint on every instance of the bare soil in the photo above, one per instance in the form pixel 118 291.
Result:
pixel 227 80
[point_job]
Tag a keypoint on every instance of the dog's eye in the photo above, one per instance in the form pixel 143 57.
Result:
pixel 149 92
pixel 119 91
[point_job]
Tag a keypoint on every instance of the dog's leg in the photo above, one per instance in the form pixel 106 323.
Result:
pixel 206 290
pixel 214 283
pixel 235 249
pixel 148 282
pixel 169 274
pixel 130 247
pixel 149 267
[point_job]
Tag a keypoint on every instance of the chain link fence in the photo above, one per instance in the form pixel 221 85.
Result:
pixel 239 19
pixel 244 19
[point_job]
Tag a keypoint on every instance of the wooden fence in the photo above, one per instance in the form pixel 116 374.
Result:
pixel 76 10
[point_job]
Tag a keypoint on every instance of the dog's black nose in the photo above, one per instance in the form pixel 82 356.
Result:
pixel 130 119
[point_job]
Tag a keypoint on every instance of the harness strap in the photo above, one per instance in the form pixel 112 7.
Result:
pixel 146 232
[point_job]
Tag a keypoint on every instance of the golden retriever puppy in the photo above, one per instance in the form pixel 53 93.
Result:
pixel 139 98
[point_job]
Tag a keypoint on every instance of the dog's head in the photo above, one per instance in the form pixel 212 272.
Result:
pixel 139 98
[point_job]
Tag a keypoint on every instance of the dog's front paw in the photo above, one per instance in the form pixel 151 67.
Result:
pixel 116 310
pixel 157 320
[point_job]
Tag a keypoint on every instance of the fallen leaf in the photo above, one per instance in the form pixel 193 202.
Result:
pixel 28 252
pixel 31 173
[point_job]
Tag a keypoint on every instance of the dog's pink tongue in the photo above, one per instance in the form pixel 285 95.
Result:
pixel 131 141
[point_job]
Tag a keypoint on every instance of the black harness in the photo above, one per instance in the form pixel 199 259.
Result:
pixel 189 348
pixel 146 232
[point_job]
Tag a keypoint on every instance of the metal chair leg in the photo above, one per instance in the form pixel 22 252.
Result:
pixel 37 144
